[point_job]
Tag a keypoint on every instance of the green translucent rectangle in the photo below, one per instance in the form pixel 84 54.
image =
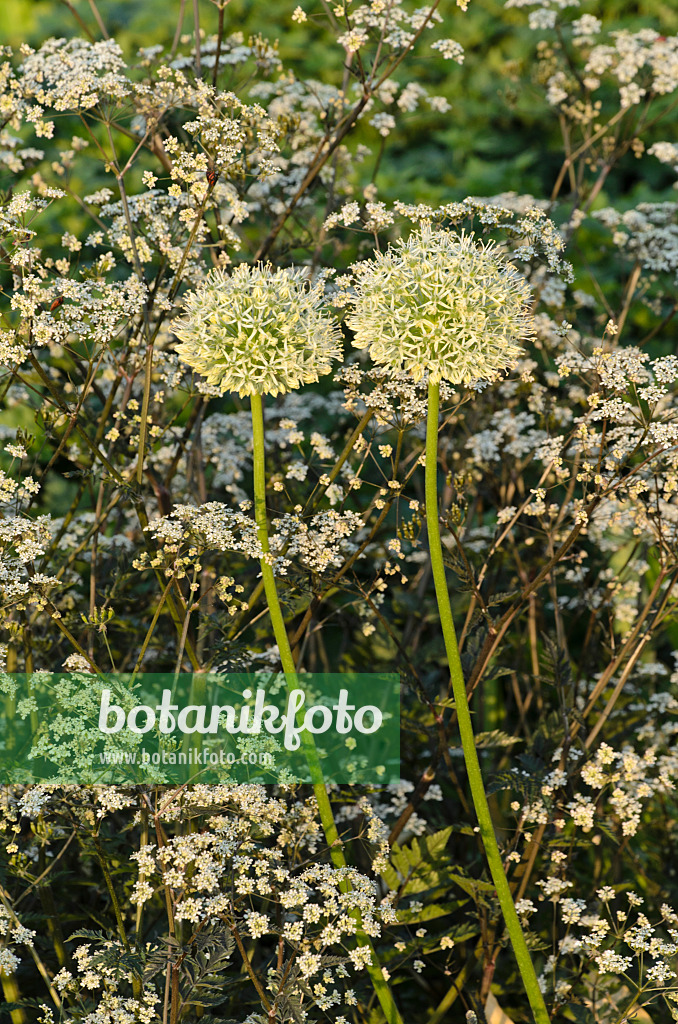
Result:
pixel 263 727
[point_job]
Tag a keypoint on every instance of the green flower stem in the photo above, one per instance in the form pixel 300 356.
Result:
pixel 468 742
pixel 381 988
pixel 12 994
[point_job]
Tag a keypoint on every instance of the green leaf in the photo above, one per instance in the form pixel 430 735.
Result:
pixel 413 867
pixel 428 912
pixel 580 1014
pixel 85 933
pixel 472 886
pixel 496 738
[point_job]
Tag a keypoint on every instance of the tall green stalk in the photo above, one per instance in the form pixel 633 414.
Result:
pixel 381 988
pixel 468 742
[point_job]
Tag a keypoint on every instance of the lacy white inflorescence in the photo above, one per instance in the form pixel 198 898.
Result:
pixel 442 303
pixel 258 330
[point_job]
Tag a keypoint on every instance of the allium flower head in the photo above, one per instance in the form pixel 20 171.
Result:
pixel 258 330
pixel 443 303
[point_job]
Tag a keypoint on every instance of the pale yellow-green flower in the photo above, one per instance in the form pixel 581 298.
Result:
pixel 258 330
pixel 443 303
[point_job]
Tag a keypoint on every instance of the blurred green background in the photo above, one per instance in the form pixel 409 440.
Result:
pixel 499 135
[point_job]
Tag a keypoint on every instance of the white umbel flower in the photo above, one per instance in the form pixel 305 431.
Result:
pixel 441 303
pixel 258 330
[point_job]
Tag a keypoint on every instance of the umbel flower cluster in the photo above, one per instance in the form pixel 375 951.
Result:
pixel 258 330
pixel 443 303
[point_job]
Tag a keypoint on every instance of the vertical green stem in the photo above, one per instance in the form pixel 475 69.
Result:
pixel 468 742
pixel 12 994
pixel 101 857
pixel 381 988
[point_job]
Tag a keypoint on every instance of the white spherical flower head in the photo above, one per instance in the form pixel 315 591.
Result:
pixel 258 330
pixel 443 303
